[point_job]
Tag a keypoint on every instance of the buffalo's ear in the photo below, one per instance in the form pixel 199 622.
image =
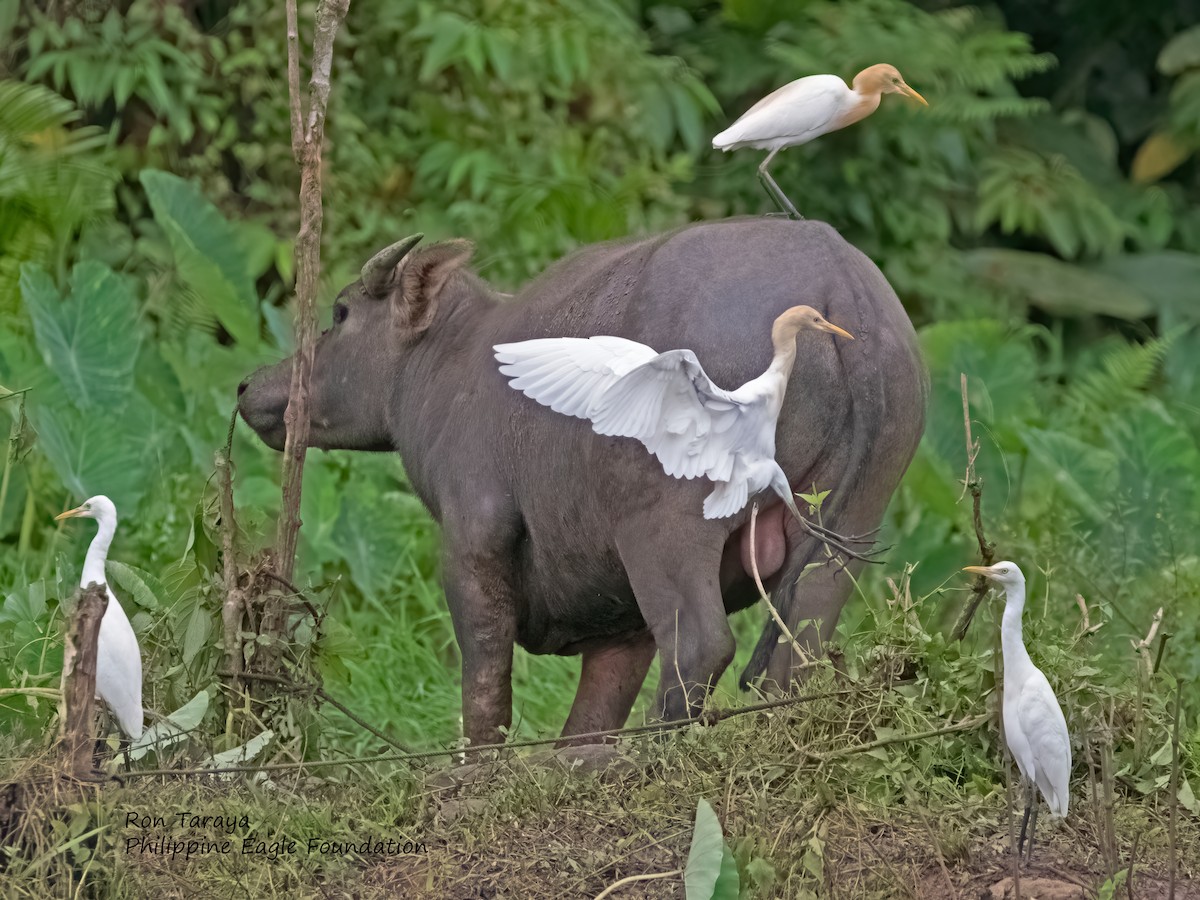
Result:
pixel 422 276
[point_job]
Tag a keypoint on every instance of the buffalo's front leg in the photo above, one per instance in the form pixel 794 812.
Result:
pixel 482 606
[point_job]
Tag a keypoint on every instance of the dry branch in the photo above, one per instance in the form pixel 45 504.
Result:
pixel 307 139
pixel 231 607
pixel 974 484
pixel 79 680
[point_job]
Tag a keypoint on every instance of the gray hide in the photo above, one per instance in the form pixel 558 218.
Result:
pixel 568 542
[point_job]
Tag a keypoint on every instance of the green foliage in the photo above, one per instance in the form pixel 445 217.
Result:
pixel 147 206
pixel 711 873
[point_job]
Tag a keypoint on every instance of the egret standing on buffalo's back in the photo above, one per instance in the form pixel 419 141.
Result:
pixel 805 109
pixel 118 657
pixel 1035 728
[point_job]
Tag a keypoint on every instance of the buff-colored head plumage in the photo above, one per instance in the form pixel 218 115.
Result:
pixel 884 79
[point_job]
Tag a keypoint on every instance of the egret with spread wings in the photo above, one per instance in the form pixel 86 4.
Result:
pixel 805 109
pixel 666 401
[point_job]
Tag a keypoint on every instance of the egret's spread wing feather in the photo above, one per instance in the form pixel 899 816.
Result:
pixel 1045 729
pixel 569 374
pixel 674 409
pixel 794 114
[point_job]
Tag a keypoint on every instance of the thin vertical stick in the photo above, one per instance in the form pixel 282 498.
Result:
pixel 1174 798
pixel 974 484
pixel 231 607
pixel 307 140
pixel 79 679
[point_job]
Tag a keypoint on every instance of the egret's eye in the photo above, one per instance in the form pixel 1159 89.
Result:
pixel 340 312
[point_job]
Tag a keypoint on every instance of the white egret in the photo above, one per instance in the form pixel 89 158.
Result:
pixel 667 402
pixel 805 109
pixel 1034 726
pixel 118 657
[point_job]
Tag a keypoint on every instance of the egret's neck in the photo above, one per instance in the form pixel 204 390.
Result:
pixel 784 339
pixel 866 101
pixel 1016 657
pixel 93 563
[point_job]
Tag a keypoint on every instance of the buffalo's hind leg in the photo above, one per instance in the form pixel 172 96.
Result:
pixel 609 683
pixel 675 580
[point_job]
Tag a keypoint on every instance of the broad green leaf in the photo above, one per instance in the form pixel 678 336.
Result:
pixel 197 635
pixel 143 588
pixel 240 755
pixel 1085 474
pixel 93 453
pixel 171 729
pixel 89 339
pixel 1058 287
pixel 710 873
pixel 209 252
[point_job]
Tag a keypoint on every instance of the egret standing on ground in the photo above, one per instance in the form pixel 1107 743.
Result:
pixel 667 402
pixel 805 109
pixel 118 657
pixel 1034 726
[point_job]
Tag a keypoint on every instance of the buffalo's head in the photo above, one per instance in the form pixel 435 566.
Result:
pixel 356 363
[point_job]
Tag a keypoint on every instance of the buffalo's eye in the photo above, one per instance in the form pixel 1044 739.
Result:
pixel 340 312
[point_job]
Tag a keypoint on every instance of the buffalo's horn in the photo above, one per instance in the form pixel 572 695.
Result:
pixel 377 269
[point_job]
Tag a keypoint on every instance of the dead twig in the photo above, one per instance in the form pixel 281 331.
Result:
pixel 974 484
pixel 632 879
pixel 806 662
pixel 964 725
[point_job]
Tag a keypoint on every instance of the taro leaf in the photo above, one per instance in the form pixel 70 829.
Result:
pixel 94 454
pixel 171 729
pixel 1058 287
pixel 1169 278
pixel 1085 474
pixel 711 872
pixel 210 252
pixel 138 584
pixel 90 339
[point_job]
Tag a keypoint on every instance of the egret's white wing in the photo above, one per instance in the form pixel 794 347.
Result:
pixel 119 669
pixel 1045 729
pixel 671 406
pixel 569 374
pixel 794 114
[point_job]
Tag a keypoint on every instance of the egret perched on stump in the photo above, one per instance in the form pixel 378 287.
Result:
pixel 1034 726
pixel 667 402
pixel 805 109
pixel 118 657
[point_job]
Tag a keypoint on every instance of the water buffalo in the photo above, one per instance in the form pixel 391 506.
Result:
pixel 568 542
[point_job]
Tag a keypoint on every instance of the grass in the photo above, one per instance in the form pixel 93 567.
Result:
pixel 841 796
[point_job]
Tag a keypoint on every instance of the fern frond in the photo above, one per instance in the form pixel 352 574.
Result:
pixel 1120 378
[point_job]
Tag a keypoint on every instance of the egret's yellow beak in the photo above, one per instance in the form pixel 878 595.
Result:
pixel 70 513
pixel 978 570
pixel 905 89
pixel 833 329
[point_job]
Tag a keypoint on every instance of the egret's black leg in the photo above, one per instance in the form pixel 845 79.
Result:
pixel 1024 822
pixel 772 188
pixel 1032 828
